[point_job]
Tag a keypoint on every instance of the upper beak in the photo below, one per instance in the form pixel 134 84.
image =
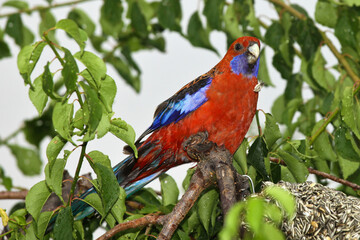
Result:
pixel 254 51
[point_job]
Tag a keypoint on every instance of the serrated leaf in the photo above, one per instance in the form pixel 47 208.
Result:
pixel 197 35
pixel 326 14
pixel 256 157
pixel 298 169
pixel 138 20
pixel 94 64
pixel 272 131
pixel 169 14
pixel 109 188
pixel 284 198
pixel 37 95
pixel 28 160
pixel 70 71
pixel 64 225
pixel 123 131
pixel 169 190
pixel 95 111
pixel 206 205
pixel 254 213
pixel 61 118
pixel 36 198
pixel 71 28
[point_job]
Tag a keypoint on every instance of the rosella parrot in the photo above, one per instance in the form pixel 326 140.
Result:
pixel 221 102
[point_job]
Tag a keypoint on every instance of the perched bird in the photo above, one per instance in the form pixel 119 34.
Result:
pixel 221 102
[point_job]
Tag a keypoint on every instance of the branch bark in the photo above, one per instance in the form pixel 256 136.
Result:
pixel 13 195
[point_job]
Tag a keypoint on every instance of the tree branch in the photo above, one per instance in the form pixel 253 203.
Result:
pixel 354 186
pixel 42 8
pixel 13 195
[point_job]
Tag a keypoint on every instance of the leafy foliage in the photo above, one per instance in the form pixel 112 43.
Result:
pixel 320 130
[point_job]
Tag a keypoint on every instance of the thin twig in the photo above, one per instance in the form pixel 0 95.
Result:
pixel 136 223
pixel 323 126
pixel 13 195
pixel 322 174
pixel 43 8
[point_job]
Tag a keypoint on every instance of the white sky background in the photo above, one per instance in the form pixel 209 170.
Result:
pixel 162 76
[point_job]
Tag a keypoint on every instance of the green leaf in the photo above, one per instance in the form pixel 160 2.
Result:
pixel 352 2
pixel 326 14
pixel 343 145
pixel 231 23
pixel 348 110
pixel 278 109
pixel 14 28
pixel 94 64
pixel 36 198
pixel 256 157
pixel 263 70
pixel 320 73
pixel 274 35
pixel 307 36
pixel 269 231
pixel 94 201
pixel 28 160
pixel 47 82
pixel 346 29
pixel 95 111
pixel 54 147
pixel 64 225
pixel 169 190
pixel 47 21
pixel 61 118
pixel 21 5
pixel 187 179
pixel 37 95
pixel 119 208
pixel 207 204
pixel 197 35
pixel 272 131
pixel 240 158
pixel 255 214
pixel 83 20
pixel 146 197
pixel 125 72
pixel 213 12
pixel 43 223
pixel 138 20
pixel 124 131
pixel 348 167
pixel 104 125
pixel 111 17
pixel 281 65
pixel 232 222
pixel 54 176
pixel 284 198
pixel 169 14
pixel 4 49
pixel 70 71
pixel 109 188
pixel 71 28
pixel 108 92
pixel 298 169
pixel 322 144
pixel 27 59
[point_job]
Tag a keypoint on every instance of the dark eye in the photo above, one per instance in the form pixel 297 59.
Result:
pixel 238 47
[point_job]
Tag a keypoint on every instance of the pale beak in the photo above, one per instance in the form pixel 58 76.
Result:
pixel 254 52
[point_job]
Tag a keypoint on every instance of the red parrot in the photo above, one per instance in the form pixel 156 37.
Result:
pixel 221 102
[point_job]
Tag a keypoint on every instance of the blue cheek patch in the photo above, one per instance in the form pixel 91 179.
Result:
pixel 239 64
pixel 179 109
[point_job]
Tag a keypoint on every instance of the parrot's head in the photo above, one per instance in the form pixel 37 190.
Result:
pixel 243 56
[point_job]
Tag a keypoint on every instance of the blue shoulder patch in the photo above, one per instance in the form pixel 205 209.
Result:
pixel 239 64
pixel 177 109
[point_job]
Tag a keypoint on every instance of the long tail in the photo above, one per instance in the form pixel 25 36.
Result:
pixel 130 175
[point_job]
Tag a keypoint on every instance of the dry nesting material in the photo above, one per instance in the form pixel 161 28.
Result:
pixel 322 213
